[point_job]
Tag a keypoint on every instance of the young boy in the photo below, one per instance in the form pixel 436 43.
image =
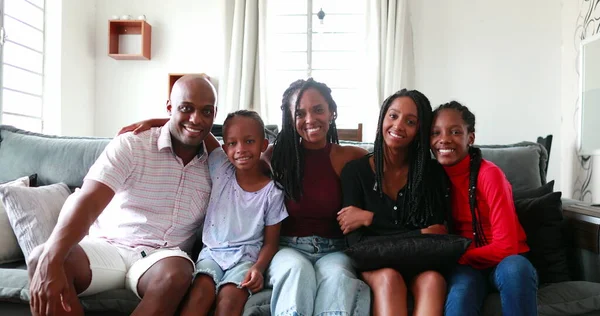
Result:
pixel 243 219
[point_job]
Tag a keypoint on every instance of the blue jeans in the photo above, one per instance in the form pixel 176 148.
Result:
pixel 310 276
pixel 514 277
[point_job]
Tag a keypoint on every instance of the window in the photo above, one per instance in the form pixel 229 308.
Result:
pixel 300 46
pixel 23 64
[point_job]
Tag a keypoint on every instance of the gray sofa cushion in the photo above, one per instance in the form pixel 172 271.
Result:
pixel 55 159
pixel 523 163
pixel 14 285
pixel 67 159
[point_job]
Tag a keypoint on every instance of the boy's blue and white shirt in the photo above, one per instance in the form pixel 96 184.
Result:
pixel 235 219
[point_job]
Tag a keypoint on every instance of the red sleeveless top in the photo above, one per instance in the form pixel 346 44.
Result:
pixel 316 211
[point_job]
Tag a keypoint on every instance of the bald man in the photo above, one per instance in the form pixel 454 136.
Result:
pixel 141 202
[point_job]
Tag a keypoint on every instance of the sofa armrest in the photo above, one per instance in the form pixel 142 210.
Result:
pixel 582 232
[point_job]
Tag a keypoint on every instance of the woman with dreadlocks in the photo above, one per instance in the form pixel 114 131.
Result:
pixel 309 274
pixel 398 189
pixel 483 210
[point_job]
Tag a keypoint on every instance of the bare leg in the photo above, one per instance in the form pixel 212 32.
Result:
pixel 163 286
pixel 79 275
pixel 231 300
pixel 201 297
pixel 429 290
pixel 389 292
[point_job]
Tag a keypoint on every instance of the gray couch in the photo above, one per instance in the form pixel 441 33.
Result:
pixel 67 159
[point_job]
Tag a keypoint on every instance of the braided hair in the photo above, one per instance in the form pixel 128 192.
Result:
pixel 475 164
pixel 245 113
pixel 423 199
pixel 287 161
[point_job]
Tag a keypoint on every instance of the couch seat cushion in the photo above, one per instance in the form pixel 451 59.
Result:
pixel 569 298
pixel 14 287
pixel 558 299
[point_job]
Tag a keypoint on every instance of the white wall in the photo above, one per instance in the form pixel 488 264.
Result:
pixel 502 59
pixel 69 67
pixel 187 37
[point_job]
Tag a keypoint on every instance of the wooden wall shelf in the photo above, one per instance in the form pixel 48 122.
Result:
pixel 174 76
pixel 127 27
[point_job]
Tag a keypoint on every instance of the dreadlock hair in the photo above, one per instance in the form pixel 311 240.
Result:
pixel 475 154
pixel 422 201
pixel 245 113
pixel 287 161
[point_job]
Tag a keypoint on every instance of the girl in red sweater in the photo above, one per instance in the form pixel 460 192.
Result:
pixel 482 209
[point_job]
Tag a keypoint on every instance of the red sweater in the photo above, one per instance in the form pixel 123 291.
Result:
pixel 497 214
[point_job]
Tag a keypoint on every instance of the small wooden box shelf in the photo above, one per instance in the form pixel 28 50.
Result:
pixel 126 27
pixel 174 76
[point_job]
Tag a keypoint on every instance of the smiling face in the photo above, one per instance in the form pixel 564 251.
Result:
pixel 243 142
pixel 401 123
pixel 450 137
pixel 192 109
pixel 312 118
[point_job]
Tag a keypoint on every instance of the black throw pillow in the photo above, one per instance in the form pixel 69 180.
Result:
pixel 408 255
pixel 541 219
pixel 534 193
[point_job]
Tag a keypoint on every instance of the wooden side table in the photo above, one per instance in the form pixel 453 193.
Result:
pixel 585 220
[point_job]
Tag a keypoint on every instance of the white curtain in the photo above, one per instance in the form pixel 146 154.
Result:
pixel 245 31
pixel 389 52
pixel 390 46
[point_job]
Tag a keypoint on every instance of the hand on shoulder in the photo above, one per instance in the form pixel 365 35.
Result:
pixel 143 126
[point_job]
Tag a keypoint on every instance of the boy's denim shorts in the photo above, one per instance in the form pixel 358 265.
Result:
pixel 234 275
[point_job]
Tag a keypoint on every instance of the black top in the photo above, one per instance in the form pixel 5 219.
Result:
pixel 359 190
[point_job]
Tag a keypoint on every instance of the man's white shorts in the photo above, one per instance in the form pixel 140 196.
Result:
pixel 115 267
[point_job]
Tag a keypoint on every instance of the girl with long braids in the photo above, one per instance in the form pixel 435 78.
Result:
pixel 398 189
pixel 309 274
pixel 483 210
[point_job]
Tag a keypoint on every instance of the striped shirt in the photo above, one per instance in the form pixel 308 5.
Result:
pixel 158 201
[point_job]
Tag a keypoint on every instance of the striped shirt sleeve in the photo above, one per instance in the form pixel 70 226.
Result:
pixel 115 163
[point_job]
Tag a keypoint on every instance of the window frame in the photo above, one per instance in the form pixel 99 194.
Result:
pixel 309 70
pixel 8 37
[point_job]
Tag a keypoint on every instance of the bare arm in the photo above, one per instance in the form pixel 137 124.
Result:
pixel 269 248
pixel 254 279
pixel 354 152
pixel 344 154
pixel 76 217
pixel 49 283
pixel 267 155
pixel 143 125
pixel 265 159
pixel 211 143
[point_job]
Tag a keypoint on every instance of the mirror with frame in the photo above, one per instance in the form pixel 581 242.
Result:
pixel 589 87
